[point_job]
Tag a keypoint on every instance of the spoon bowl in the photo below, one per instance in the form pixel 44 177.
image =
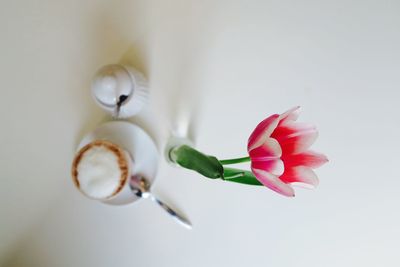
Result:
pixel 140 186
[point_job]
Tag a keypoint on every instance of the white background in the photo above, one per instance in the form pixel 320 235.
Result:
pixel 228 64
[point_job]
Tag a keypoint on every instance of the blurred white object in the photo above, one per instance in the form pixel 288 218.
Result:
pixel 120 90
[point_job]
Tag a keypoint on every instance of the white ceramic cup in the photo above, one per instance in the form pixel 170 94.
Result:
pixel 111 82
pixel 119 191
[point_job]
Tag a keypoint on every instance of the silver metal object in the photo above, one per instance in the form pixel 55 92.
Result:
pixel 121 100
pixel 141 187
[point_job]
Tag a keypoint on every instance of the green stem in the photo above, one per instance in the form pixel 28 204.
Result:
pixel 234 161
pixel 240 176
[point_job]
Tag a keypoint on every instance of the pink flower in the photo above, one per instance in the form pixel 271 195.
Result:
pixel 278 149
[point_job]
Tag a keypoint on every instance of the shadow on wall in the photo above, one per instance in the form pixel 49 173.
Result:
pixel 162 47
pixel 17 259
pixel 170 77
pixel 137 56
pixel 94 40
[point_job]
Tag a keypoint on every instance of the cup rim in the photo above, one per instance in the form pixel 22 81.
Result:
pixel 123 162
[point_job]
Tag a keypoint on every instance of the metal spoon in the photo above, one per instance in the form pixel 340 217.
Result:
pixel 140 186
pixel 121 100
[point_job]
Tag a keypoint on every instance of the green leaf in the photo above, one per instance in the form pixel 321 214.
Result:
pixel 192 159
pixel 240 176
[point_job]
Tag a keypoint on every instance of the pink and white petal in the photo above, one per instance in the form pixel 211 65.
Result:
pixel 263 130
pixel 291 129
pixel 309 159
pixel 290 115
pixel 273 182
pixel 267 157
pixel 300 176
pixel 273 166
pixel 295 139
pixel 269 149
pixel 298 144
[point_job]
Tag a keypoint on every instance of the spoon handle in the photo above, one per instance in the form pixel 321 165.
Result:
pixel 177 217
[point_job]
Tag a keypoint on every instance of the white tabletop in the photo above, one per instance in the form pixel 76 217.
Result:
pixel 224 65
